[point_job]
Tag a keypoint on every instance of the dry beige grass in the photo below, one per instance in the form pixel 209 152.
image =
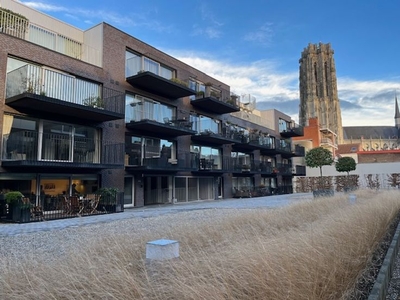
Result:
pixel 311 250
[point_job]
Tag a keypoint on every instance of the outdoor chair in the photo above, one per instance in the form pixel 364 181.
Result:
pixel 76 207
pixel 67 205
pixel 37 212
pixel 94 203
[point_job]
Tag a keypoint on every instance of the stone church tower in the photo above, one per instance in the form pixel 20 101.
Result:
pixel 318 89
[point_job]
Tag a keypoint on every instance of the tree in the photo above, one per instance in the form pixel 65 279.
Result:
pixel 345 164
pixel 317 158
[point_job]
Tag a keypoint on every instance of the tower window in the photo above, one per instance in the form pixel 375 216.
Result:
pixel 316 80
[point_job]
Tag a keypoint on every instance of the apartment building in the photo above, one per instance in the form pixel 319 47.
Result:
pixel 98 108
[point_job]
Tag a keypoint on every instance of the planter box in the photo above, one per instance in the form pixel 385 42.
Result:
pixel 20 215
pixel 323 193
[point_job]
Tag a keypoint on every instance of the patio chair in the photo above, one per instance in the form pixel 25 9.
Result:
pixel 67 205
pixel 37 212
pixel 94 203
pixel 76 207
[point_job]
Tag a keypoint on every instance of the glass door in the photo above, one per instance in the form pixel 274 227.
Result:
pixel 56 142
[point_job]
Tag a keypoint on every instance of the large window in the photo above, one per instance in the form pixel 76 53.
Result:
pixel 34 139
pixel 210 158
pixel 204 124
pixel 138 108
pixel 135 63
pixel 139 149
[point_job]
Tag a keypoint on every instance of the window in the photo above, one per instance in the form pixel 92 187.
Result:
pixel 138 108
pixel 135 63
pixel 316 79
pixel 283 125
pixel 139 148
pixel 50 141
pixel 209 157
pixel 204 124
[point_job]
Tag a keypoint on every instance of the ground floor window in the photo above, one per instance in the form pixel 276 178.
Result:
pixel 196 188
pixel 48 190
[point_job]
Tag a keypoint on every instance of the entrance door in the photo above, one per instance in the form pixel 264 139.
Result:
pixel 129 192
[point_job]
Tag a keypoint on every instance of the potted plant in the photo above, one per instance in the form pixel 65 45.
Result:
pixel 200 94
pixel 95 102
pixel 109 199
pixel 20 210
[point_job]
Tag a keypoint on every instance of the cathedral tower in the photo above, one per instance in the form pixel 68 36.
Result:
pixel 318 89
pixel 397 114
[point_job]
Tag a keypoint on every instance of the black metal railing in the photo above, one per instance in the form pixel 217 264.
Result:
pixel 46 207
pixel 299 150
pixel 24 145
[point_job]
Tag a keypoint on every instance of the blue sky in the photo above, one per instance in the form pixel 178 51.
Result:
pixel 254 46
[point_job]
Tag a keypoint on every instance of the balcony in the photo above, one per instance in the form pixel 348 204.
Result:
pixel 284 169
pixel 28 149
pixel 299 171
pixel 299 151
pixel 208 136
pixel 327 142
pixel 253 141
pixel 158 85
pixel 184 162
pixel 285 150
pixel 169 127
pixel 13 24
pixel 32 89
pixel 293 130
pixel 213 102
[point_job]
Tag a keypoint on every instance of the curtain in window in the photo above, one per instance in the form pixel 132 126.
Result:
pixel 151 65
pixel 132 64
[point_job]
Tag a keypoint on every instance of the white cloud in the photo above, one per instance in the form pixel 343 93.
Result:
pixel 92 16
pixel 363 103
pixel 260 78
pixel 374 101
pixel 210 26
pixel 262 36
pixel 44 6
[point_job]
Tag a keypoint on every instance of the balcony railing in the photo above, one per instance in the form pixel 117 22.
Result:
pixel 299 151
pixel 284 169
pixel 220 102
pixel 184 161
pixel 328 142
pixel 46 87
pixel 300 170
pixel 292 130
pixel 13 24
pixel 34 148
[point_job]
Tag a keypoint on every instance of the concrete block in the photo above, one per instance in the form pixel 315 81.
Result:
pixel 352 199
pixel 162 249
